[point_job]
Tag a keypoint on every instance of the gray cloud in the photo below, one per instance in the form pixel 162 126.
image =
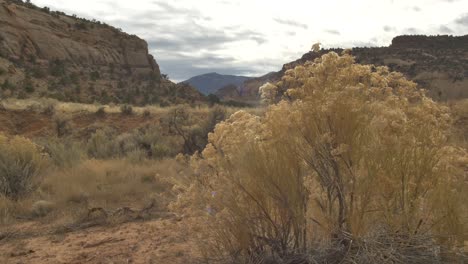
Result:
pixel 290 23
pixel 416 8
pixel 411 30
pixel 177 31
pixel 388 28
pixel 195 37
pixel 332 31
pixel 462 20
pixel 444 29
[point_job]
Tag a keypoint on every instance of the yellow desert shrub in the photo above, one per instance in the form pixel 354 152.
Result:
pixel 21 162
pixel 354 153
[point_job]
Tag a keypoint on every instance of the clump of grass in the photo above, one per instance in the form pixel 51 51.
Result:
pixel 126 109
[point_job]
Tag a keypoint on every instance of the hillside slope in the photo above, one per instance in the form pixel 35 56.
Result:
pixel 45 53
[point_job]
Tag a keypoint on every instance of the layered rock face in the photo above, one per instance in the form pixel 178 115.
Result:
pixel 53 54
pixel 437 63
pixel 430 42
pixel 31 33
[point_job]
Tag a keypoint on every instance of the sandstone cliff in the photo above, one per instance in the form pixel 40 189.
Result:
pixel 44 53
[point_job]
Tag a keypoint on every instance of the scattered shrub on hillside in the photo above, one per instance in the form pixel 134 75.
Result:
pixel 236 104
pixel 28 84
pixel 57 68
pixel 101 145
pixel 213 99
pixel 147 143
pixel 152 142
pixel 64 152
pixel 215 115
pixel 160 151
pixel 101 111
pixel 126 109
pixel 81 26
pixel 8 85
pixel 20 164
pixel 49 110
pixel 356 153
pixel 194 133
pixel 62 124
pixel 94 76
pixel 46 9
pixel 38 72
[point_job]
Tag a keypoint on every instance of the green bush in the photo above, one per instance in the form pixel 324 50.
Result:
pixel 159 151
pixel 95 75
pixel 8 85
pixel 28 85
pixel 64 153
pixel 57 68
pixel 102 146
pixel 194 132
pixel 213 99
pixel 20 164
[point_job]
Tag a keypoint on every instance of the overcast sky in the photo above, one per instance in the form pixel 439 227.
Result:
pixel 254 37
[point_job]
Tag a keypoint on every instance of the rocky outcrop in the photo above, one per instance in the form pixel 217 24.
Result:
pixel 29 33
pixel 52 52
pixel 430 42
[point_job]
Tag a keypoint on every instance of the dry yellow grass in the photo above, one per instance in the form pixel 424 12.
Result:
pixel 40 104
pixel 66 195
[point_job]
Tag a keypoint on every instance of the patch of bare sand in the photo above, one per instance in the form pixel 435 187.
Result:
pixel 156 241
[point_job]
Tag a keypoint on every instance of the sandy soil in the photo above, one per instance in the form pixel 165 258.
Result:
pixel 155 241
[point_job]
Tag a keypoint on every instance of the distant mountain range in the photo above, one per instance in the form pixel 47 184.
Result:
pixel 210 83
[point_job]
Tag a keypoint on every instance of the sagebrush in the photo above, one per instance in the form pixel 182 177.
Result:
pixel 351 151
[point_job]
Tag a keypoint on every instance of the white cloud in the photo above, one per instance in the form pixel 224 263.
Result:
pixel 258 36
